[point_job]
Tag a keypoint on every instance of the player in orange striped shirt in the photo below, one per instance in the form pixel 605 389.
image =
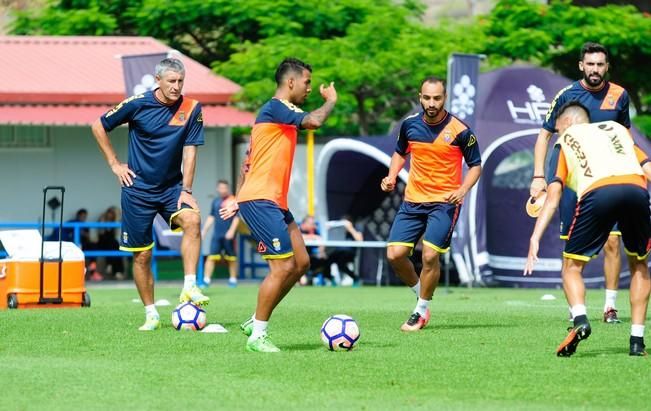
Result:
pixel 262 197
pixel 437 142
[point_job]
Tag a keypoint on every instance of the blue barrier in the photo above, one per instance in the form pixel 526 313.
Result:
pixel 78 226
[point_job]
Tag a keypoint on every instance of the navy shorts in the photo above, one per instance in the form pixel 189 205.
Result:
pixel 221 247
pixel 567 208
pixel 269 227
pixel 139 208
pixel 599 210
pixel 435 220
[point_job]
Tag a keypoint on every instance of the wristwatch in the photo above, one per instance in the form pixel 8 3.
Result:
pixel 187 190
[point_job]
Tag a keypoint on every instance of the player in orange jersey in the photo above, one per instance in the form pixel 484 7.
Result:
pixel 437 142
pixel 262 197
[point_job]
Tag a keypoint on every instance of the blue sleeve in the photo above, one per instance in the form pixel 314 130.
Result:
pixel 195 128
pixel 553 165
pixel 122 113
pixel 402 143
pixel 623 116
pixel 287 113
pixel 469 148
pixel 550 119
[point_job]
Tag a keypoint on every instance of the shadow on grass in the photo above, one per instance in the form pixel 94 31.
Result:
pixel 436 327
pixel 587 352
pixel 302 347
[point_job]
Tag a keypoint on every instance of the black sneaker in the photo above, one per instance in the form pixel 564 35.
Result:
pixel 576 334
pixel 637 347
pixel 416 322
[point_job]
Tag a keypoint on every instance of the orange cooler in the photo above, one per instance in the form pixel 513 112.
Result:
pixel 21 287
pixel 3 288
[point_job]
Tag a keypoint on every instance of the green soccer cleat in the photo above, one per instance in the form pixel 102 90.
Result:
pixel 261 344
pixel 194 295
pixel 247 327
pixel 151 323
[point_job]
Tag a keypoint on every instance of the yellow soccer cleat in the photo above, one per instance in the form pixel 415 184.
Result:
pixel 194 295
pixel 151 323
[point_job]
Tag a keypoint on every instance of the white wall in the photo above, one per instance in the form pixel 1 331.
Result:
pixel 75 162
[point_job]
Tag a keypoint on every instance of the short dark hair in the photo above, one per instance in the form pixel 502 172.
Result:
pixel 433 80
pixel 572 104
pixel 290 64
pixel 590 47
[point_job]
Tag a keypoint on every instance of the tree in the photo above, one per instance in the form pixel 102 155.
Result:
pixel 377 67
pixel 552 35
pixel 207 30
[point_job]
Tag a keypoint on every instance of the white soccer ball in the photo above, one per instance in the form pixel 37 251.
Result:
pixel 187 316
pixel 340 333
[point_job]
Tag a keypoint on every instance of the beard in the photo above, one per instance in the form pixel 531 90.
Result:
pixel 595 81
pixel 431 112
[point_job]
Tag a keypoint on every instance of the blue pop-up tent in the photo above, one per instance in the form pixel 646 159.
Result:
pixel 492 236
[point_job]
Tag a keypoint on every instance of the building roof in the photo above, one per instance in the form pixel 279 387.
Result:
pixel 73 79
pixel 86 114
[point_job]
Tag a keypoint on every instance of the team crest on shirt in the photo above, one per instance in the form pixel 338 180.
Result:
pixel 276 244
pixel 262 248
pixel 181 115
pixel 447 136
pixel 125 237
pixel 611 101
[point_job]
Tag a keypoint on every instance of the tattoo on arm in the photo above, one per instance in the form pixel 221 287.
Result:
pixel 316 118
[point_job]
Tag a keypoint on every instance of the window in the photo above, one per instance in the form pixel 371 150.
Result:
pixel 24 137
pixel 514 171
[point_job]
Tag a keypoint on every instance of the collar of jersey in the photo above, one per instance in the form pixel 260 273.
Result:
pixel 447 114
pixel 593 90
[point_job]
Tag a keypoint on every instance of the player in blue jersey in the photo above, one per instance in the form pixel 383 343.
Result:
pixel 222 244
pixel 165 129
pixel 606 101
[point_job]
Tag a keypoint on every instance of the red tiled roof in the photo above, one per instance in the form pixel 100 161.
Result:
pixel 72 80
pixel 85 115
pixel 88 70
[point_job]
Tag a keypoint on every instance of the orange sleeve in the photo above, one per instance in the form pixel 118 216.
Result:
pixel 560 174
pixel 642 158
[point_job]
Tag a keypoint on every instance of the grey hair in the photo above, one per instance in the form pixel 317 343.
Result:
pixel 169 64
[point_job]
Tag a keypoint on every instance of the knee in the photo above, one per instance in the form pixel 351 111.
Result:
pixel 302 266
pixel 430 258
pixel 612 245
pixel 142 258
pixel 396 254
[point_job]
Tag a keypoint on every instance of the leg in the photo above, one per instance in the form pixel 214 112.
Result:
pixel 429 276
pixel 612 267
pixel 208 268
pixel 232 270
pixel 143 277
pixel 612 262
pixel 640 289
pixel 398 256
pixel 283 275
pixel 574 288
pixel 190 222
pixel 573 285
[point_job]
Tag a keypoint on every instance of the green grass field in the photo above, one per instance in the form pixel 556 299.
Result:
pixel 484 348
